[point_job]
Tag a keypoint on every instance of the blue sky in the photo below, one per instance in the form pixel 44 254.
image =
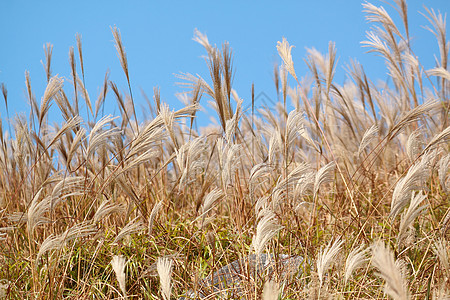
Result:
pixel 158 40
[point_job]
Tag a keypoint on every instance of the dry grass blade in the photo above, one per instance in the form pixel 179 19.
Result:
pixel 76 144
pixel 232 125
pixel 383 260
pixel 85 94
pixel 102 96
pixel 5 94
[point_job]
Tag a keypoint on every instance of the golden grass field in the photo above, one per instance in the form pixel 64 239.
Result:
pixel 354 178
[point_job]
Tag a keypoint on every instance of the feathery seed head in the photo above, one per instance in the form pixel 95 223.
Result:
pixel 118 263
pixel 164 267
pixel 284 50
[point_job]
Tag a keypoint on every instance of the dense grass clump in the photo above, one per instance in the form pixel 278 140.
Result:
pixel 353 179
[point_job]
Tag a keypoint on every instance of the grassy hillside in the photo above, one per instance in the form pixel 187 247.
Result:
pixel 353 177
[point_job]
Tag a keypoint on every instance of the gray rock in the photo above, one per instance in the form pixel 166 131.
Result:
pixel 227 282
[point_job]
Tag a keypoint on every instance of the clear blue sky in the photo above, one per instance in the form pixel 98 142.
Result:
pixel 158 40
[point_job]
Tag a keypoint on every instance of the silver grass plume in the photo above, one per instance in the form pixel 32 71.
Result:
pixel 168 118
pixel 191 159
pixel 295 180
pixel 376 14
pixel 153 214
pixel 68 126
pixel 229 160
pixel 65 188
pixel 442 137
pixel 275 145
pixel 36 211
pixel 411 214
pixel 294 127
pixel 412 116
pixel 266 229
pixel 414 180
pixel 323 176
pixel 370 135
pixel 355 260
pixel 137 160
pixel 444 165
pixel 259 171
pixel 76 143
pixel 118 263
pixel 106 208
pixel 442 293
pixel 232 124
pixel 202 39
pixel 326 257
pixel 271 290
pixel 284 50
pixel 133 226
pixel 305 184
pixel 413 145
pixel 53 242
pixel 209 201
pixel 383 260
pixel 98 136
pixel 440 72
pixel 54 86
pixel 441 248
pixel 164 267
pixel 152 134
pixel 307 137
